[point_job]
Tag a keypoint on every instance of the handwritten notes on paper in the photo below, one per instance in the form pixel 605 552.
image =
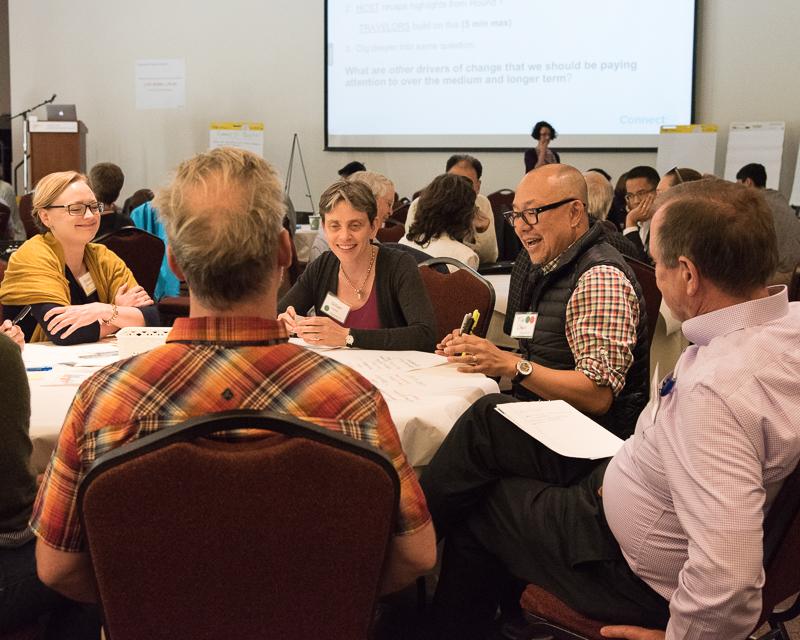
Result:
pixel 562 428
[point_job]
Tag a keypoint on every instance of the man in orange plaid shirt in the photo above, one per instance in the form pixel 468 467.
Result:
pixel 223 215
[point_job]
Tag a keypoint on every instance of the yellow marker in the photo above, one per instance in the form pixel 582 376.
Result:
pixel 475 315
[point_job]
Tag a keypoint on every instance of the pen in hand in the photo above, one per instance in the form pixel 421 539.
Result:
pixel 469 323
pixel 21 315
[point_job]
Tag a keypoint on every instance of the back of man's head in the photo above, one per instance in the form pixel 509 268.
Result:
pixel 464 158
pixel 643 171
pixel 378 183
pixel 600 194
pixel 106 180
pixel 724 228
pixel 223 215
pixel 755 172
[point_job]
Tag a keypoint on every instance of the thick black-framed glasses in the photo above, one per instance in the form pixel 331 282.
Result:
pixel 79 208
pixel 531 216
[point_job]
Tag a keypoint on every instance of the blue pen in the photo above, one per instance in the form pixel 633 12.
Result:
pixel 667 386
pixel 38 368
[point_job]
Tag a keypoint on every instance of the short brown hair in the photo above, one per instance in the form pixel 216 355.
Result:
pixel 356 193
pixel 106 180
pixel 49 188
pixel 725 229
pixel 223 214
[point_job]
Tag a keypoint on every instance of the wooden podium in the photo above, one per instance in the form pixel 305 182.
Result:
pixel 56 146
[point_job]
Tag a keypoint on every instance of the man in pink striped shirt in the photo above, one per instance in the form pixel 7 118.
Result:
pixel 669 532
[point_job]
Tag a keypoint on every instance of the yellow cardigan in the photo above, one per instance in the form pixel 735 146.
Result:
pixel 35 274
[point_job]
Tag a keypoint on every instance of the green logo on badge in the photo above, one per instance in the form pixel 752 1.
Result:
pixel 326 307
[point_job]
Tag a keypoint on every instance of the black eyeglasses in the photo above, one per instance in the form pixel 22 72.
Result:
pixel 79 208
pixel 531 216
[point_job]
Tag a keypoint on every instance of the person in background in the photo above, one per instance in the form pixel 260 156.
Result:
pixel 364 295
pixel 383 190
pixel 619 209
pixel 602 172
pixel 223 213
pixel 787 226
pixel 78 291
pixel 106 180
pixel 544 133
pixel 444 220
pixel 600 195
pixel 350 168
pixel 24 600
pixel 676 176
pixel 483 239
pixel 145 217
pixel 640 191
pixel 15 229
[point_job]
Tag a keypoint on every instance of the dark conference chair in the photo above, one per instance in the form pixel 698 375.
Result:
pixel 140 250
pixel 5 214
pixel 25 210
pixel 549 615
pixel 455 294
pixel 646 275
pixel 192 537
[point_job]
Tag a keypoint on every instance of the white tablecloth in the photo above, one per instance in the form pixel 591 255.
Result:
pixel 303 239
pixel 424 400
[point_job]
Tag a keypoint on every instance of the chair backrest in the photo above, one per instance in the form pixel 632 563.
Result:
pixel 5 214
pixel 401 212
pixel 25 210
pixel 782 546
pixel 456 294
pixel 501 200
pixel 391 233
pixel 140 250
pixel 283 536
pixel 137 199
pixel 646 275
pixel 794 285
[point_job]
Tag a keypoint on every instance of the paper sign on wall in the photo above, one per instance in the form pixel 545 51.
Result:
pixel 241 135
pixel 688 145
pixel 760 142
pixel 161 84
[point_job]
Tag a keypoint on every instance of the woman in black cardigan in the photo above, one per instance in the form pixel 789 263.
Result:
pixel 364 295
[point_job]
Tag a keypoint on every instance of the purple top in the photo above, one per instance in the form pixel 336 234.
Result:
pixel 367 316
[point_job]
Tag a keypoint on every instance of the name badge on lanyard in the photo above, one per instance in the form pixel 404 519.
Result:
pixel 87 284
pixel 335 308
pixel 524 324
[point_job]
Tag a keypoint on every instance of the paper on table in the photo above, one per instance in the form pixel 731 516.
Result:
pixel 562 428
pixel 369 362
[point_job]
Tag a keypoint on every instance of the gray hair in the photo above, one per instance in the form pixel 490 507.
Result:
pixel 378 183
pixel 600 195
pixel 223 214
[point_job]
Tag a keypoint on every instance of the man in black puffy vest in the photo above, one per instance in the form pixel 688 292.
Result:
pixel 580 317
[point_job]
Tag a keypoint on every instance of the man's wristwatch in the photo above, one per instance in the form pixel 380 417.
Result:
pixel 524 369
pixel 349 340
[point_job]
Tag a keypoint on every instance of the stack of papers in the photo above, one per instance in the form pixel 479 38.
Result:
pixel 562 428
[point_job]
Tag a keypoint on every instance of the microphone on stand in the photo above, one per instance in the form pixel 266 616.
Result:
pixel 50 101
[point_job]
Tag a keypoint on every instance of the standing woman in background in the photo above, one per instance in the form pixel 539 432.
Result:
pixel 78 291
pixel 544 134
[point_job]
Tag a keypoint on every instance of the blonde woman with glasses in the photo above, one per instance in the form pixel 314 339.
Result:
pixel 77 291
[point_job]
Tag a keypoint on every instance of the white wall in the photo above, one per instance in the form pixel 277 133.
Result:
pixel 263 61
